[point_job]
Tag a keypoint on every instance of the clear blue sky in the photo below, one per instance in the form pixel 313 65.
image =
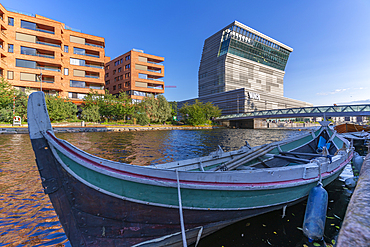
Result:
pixel 331 39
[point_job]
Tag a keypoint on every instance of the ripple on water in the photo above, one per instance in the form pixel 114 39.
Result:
pixel 27 217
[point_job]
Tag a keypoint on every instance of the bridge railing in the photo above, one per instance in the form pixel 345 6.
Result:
pixel 303 112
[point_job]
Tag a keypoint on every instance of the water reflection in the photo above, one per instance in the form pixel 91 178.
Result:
pixel 27 217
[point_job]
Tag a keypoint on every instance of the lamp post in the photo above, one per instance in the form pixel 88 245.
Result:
pixel 40 81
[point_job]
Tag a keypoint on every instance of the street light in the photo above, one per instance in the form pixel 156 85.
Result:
pixel 40 80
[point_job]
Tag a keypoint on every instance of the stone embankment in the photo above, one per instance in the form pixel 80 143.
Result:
pixel 60 128
pixel 355 229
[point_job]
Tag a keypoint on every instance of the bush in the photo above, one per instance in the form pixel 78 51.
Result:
pixel 60 109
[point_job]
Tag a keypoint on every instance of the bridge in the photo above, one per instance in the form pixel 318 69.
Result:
pixel 318 111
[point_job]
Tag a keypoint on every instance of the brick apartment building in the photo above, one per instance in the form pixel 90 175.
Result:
pixel 69 62
pixel 135 73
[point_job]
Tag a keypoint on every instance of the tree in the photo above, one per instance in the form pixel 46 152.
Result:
pixel 91 113
pixel 173 105
pixel 199 113
pixel 6 93
pixel 60 109
pixel 164 109
pixel 150 107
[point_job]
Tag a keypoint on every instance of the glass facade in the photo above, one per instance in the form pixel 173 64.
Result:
pixel 77 84
pixel 75 61
pixel 25 63
pixel 28 25
pixel 28 51
pixel 79 51
pixel 237 41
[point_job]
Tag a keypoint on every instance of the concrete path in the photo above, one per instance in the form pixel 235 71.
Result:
pixel 355 229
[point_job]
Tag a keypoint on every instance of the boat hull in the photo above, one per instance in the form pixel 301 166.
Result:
pixel 93 218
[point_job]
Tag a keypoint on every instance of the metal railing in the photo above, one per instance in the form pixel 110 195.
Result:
pixel 100 46
pixel 156 71
pixel 154 79
pixel 92 76
pixel 318 111
pixel 40 30
pixel 155 63
pixel 50 69
pixel 38 55
pixel 93 66
pixel 91 55
pixel 49 44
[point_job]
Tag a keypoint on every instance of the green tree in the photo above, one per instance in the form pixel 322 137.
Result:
pixel 199 113
pixel 91 113
pixel 6 93
pixel 173 105
pixel 150 107
pixel 164 109
pixel 60 109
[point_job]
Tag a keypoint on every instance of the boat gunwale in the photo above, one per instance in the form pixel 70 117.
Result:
pixel 210 185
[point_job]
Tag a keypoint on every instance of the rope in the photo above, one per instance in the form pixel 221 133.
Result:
pixel 180 211
pixel 320 178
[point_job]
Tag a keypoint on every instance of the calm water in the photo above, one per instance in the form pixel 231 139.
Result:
pixel 27 217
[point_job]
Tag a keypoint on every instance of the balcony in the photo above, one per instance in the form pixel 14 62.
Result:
pixel 37 27
pixel 92 76
pixel 99 46
pixel 155 71
pixel 49 44
pixel 154 79
pixel 38 55
pixel 93 66
pixel 155 63
pixel 48 68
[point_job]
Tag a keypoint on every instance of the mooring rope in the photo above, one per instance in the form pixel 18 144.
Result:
pixel 180 211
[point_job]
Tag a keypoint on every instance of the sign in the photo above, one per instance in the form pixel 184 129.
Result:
pixel 17 121
pixel 255 96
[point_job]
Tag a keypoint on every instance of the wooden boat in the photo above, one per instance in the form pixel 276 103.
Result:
pixel 105 203
pixel 346 128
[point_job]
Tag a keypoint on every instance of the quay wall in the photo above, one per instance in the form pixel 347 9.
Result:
pixel 71 129
pixel 355 229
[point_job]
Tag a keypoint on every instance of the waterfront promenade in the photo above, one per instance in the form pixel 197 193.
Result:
pixel 355 229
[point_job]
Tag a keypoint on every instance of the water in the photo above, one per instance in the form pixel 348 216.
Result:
pixel 27 217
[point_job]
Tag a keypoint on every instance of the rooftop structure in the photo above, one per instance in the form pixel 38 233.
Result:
pixel 135 73
pixel 38 52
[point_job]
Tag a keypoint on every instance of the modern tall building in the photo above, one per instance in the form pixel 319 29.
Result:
pixel 40 52
pixel 242 70
pixel 135 73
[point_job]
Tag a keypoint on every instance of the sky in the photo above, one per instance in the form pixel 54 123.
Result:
pixel 330 39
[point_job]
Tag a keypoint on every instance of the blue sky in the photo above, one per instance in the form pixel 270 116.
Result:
pixel 331 39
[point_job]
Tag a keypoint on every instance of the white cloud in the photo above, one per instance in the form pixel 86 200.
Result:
pixel 333 92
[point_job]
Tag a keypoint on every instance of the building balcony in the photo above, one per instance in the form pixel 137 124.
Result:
pixel 46 43
pixel 38 55
pixel 48 68
pixel 156 63
pixel 99 46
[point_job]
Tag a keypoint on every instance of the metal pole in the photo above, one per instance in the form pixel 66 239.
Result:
pixel 180 211
pixel 40 81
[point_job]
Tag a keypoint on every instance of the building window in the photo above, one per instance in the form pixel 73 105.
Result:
pixel 66 49
pixel 127 75
pixel 77 84
pixel 107 88
pixel 10 75
pixel 107 67
pixel 107 82
pixel 106 74
pixel 114 72
pixel 75 61
pixel 143 76
pixel 127 57
pixel 10 48
pixel 127 66
pixel 28 25
pixel 114 87
pixel 121 60
pixel 66 71
pixel 121 77
pixel 119 69
pixel 79 51
pixel 25 63
pixel 10 21
pixel 119 86
pixel 116 63
pixel 28 51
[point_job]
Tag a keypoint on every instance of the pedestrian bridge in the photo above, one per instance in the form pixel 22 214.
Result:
pixel 318 111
